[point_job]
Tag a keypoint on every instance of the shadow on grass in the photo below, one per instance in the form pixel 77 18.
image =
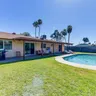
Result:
pixel 29 59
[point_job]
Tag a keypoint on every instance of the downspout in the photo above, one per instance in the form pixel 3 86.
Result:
pixel 42 48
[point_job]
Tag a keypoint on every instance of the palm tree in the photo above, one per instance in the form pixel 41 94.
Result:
pixel 39 25
pixel 56 35
pixel 52 36
pixel 85 39
pixel 64 33
pixel 35 24
pixel 69 30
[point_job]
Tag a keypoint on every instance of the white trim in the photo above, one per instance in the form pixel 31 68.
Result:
pixel 61 60
pixel 4 45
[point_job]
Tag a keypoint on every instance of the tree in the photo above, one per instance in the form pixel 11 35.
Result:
pixel 56 35
pixel 39 25
pixel 69 30
pixel 52 36
pixel 64 33
pixel 35 24
pixel 85 40
pixel 26 34
pixel 89 43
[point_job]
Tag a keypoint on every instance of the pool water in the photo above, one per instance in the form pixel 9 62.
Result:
pixel 88 59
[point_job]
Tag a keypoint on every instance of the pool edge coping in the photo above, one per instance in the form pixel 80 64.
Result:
pixel 62 61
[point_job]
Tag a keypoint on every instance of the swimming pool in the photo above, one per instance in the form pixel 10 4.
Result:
pixel 88 59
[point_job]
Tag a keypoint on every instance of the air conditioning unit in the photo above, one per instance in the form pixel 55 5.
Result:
pixel 43 37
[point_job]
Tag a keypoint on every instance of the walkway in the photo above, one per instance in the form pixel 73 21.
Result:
pixel 15 59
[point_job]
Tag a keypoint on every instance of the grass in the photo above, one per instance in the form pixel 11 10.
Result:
pixel 45 77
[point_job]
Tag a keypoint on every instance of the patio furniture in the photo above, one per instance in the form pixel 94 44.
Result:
pixel 43 52
pixel 2 54
pixel 68 52
pixel 38 52
pixel 18 54
pixel 71 52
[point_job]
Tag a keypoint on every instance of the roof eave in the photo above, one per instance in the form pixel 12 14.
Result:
pixel 39 40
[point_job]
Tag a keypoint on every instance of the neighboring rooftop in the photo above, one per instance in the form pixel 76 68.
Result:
pixel 83 44
pixel 13 36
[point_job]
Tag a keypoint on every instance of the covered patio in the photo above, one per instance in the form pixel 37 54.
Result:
pixel 19 47
pixel 42 46
pixel 31 57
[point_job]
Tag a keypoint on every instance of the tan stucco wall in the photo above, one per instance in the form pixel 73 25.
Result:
pixel 38 45
pixel 63 47
pixel 49 45
pixel 56 48
pixel 16 46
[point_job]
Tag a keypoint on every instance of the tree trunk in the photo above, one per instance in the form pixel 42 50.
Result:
pixel 35 32
pixel 39 32
pixel 69 38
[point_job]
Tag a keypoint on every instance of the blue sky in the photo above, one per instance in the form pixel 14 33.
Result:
pixel 18 16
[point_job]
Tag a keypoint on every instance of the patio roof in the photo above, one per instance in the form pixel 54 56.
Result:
pixel 10 36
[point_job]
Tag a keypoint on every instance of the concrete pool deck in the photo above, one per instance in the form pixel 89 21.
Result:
pixel 62 61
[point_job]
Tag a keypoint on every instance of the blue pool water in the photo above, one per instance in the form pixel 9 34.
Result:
pixel 87 59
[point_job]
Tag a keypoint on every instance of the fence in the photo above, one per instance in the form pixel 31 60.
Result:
pixel 81 48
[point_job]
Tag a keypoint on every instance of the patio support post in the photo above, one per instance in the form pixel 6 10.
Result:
pixel 62 48
pixel 42 48
pixel 23 50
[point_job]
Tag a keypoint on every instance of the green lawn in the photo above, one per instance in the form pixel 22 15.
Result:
pixel 45 77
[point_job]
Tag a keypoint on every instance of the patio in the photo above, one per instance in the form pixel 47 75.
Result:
pixel 30 57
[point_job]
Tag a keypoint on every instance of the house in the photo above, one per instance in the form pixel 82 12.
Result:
pixel 83 45
pixel 16 44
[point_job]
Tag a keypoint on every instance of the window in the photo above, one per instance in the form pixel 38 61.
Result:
pixel 43 45
pixel 1 44
pixel 7 45
pixel 29 48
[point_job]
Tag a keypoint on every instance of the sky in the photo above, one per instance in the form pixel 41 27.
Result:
pixel 18 16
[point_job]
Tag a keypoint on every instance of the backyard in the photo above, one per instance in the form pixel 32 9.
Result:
pixel 45 77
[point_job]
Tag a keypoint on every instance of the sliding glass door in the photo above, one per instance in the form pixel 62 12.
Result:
pixel 29 48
